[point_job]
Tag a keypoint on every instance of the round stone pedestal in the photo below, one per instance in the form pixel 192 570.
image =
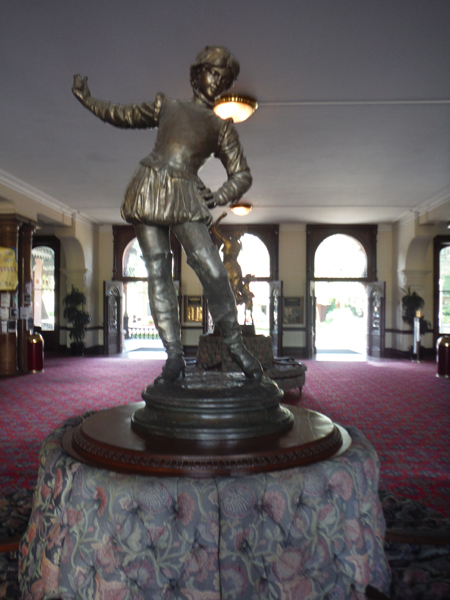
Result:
pixel 213 406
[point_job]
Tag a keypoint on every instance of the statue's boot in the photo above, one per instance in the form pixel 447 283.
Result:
pixel 164 308
pixel 233 340
pixel 209 268
pixel 173 368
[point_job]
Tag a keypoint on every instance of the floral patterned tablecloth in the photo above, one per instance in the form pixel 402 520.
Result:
pixel 313 532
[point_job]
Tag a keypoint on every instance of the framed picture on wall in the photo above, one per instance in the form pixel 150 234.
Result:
pixel 193 309
pixel 293 310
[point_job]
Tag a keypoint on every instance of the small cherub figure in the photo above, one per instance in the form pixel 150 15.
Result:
pixel 231 248
pixel 248 296
pixel 165 193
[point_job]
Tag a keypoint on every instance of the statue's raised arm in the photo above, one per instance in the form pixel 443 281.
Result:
pixel 126 116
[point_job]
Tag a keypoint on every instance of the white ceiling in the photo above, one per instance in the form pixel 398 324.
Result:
pixel 354 117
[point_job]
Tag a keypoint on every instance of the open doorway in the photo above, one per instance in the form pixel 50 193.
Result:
pixel 339 319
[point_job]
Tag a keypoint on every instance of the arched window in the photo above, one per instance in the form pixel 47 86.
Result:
pixel 126 250
pixel 254 258
pixel 133 264
pixel 340 256
pixel 359 240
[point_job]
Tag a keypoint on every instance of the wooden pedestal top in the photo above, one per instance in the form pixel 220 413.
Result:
pixel 106 440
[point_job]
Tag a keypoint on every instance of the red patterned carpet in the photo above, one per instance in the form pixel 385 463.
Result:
pixel 400 406
pixel 403 409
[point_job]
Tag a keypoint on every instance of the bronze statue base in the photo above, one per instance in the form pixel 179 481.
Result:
pixel 213 406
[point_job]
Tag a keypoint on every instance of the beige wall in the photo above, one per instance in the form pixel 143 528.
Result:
pixel 292 272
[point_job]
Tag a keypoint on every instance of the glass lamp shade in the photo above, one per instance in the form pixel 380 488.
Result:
pixel 241 210
pixel 238 108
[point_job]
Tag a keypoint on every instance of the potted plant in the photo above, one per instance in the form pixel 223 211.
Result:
pixel 76 315
pixel 411 304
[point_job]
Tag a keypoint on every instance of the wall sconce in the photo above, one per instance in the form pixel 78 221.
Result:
pixel 240 209
pixel 234 106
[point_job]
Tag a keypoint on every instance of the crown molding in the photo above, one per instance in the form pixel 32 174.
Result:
pixel 17 185
pixel 431 203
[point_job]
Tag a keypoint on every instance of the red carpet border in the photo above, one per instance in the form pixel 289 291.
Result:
pixel 402 408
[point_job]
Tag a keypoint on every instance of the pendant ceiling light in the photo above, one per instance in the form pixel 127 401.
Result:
pixel 241 209
pixel 235 106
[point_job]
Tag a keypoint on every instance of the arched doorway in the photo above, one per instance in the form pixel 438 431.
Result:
pixel 341 301
pixel 341 263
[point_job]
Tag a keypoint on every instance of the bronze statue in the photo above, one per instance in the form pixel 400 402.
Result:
pixel 166 193
pixel 231 247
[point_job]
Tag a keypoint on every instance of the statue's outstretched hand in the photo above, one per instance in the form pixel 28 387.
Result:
pixel 80 87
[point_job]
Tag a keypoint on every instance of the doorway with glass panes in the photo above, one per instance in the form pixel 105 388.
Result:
pixel 340 268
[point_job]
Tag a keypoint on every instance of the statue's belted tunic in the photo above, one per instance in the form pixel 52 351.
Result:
pixel 164 189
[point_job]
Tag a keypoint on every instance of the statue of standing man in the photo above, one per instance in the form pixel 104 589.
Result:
pixel 165 193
